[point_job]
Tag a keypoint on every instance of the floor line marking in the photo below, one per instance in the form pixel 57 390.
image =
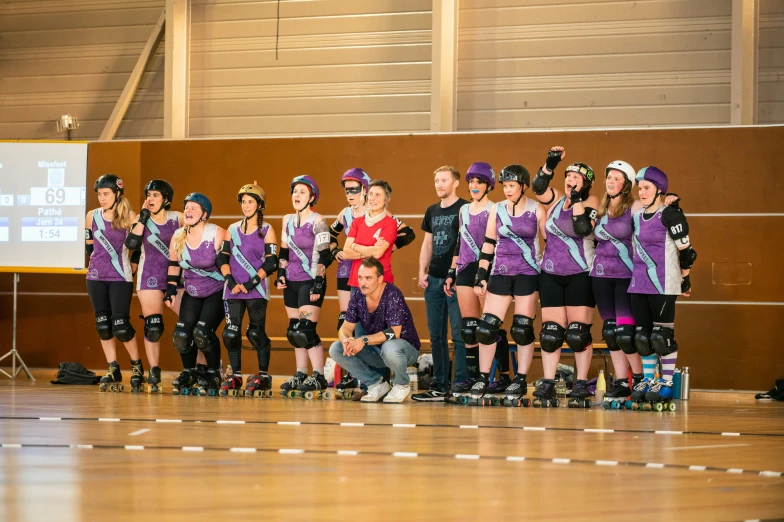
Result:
pixel 138 432
pixel 706 447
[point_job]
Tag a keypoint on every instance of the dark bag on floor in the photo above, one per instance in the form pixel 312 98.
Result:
pixel 775 394
pixel 75 373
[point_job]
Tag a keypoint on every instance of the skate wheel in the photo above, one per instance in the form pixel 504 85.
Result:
pixel 175 391
pixel 256 393
pixel 347 395
pixel 327 396
pixel 308 395
pixel 671 406
pixel 628 405
pixel 635 406
pixel 507 403
pixel 616 405
pixel 587 403
pixel 292 394
pixel 525 402
pixel 572 404
pixel 659 406
pixel 495 401
pixel 462 400
pixel 268 394
pixel 223 393
pixel 555 403
pixel 647 406
pixel 537 403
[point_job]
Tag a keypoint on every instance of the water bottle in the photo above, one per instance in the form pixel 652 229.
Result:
pixel 685 384
pixel 560 390
pixel 413 378
pixel 601 386
pixel 676 384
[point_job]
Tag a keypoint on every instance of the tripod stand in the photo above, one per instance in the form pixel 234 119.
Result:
pixel 13 354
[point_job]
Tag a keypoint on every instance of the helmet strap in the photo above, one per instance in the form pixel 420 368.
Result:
pixel 655 199
pixel 522 193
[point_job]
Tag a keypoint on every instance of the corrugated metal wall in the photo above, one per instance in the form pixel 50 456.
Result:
pixel 771 62
pixel 348 66
pixel 74 57
pixel 586 63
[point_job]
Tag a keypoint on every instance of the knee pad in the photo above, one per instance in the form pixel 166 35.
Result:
pixel 153 327
pixel 290 332
pixel 182 338
pixel 578 336
pixel 205 339
pixel 624 336
pixel 642 340
pixel 232 339
pixel 257 337
pixel 104 327
pixel 608 333
pixel 303 334
pixel 551 337
pixel 341 319
pixel 663 340
pixel 468 330
pixel 487 329
pixel 122 329
pixel 522 330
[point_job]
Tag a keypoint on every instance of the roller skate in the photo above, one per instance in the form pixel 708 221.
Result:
pixel 154 380
pixel 495 392
pixel 137 376
pixel 314 387
pixel 210 384
pixel 580 394
pixel 476 395
pixel 289 388
pixel 514 395
pixel 231 387
pixel 460 392
pixel 183 384
pixel 638 393
pixel 112 381
pixel 618 396
pixel 544 395
pixel 259 385
pixel 346 387
pixel 659 397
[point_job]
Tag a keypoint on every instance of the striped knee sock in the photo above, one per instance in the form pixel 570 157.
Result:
pixel 649 365
pixel 668 365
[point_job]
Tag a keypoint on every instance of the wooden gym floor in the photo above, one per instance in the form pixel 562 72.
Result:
pixel 72 453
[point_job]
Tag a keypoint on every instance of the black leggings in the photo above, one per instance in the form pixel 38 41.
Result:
pixel 650 309
pixel 111 302
pixel 209 310
pixel 257 314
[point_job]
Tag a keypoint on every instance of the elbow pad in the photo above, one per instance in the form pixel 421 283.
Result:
pixel 687 257
pixel 284 254
pixel 582 224
pixel 270 264
pixel 133 241
pixel 541 182
pixel 88 249
pixel 223 256
pixel 324 257
pixel 136 256
pixel 405 236
pixel 487 257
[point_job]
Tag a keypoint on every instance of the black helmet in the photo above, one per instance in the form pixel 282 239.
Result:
pixel 110 181
pixel 516 173
pixel 162 186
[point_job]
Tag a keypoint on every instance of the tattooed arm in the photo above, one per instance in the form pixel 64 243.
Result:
pixel 320 258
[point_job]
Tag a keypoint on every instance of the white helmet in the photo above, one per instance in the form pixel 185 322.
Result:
pixel 624 167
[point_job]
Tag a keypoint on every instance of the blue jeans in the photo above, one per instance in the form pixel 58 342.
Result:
pixel 397 355
pixel 439 309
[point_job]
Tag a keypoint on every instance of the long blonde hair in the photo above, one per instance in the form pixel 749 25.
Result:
pixel 121 220
pixel 626 202
pixel 178 241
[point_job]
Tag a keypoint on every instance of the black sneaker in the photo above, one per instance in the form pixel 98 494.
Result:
pixel 431 395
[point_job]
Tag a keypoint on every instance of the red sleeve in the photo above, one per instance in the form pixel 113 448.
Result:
pixel 389 230
pixel 352 232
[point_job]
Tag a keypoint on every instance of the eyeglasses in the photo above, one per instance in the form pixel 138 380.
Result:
pixel 353 190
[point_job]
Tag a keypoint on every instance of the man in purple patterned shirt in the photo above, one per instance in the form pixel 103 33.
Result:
pixel 391 340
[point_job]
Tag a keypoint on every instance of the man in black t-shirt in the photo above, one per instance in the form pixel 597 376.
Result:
pixel 441 234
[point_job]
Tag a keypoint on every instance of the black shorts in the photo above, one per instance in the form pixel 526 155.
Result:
pixel 556 291
pixel 343 284
pixel 467 275
pixel 519 285
pixel 649 309
pixel 297 293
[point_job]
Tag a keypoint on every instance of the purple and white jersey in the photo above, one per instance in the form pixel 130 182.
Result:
pixel 154 263
pixel 517 251
pixel 301 240
pixel 565 252
pixel 472 230
pixel 247 256
pixel 346 218
pixel 657 268
pixel 613 246
pixel 202 277
pixel 109 260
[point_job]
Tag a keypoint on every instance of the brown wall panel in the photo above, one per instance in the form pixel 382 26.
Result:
pixel 734 252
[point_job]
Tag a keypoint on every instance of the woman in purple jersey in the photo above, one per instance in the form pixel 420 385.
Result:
pixel 149 239
pixel 473 220
pixel 663 257
pixel 109 276
pixel 304 257
pixel 512 235
pixel 248 257
pixel 564 284
pixel 193 254
pixel 612 272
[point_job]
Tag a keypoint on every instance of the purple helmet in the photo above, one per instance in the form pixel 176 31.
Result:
pixel 482 172
pixel 310 183
pixel 358 175
pixel 655 176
